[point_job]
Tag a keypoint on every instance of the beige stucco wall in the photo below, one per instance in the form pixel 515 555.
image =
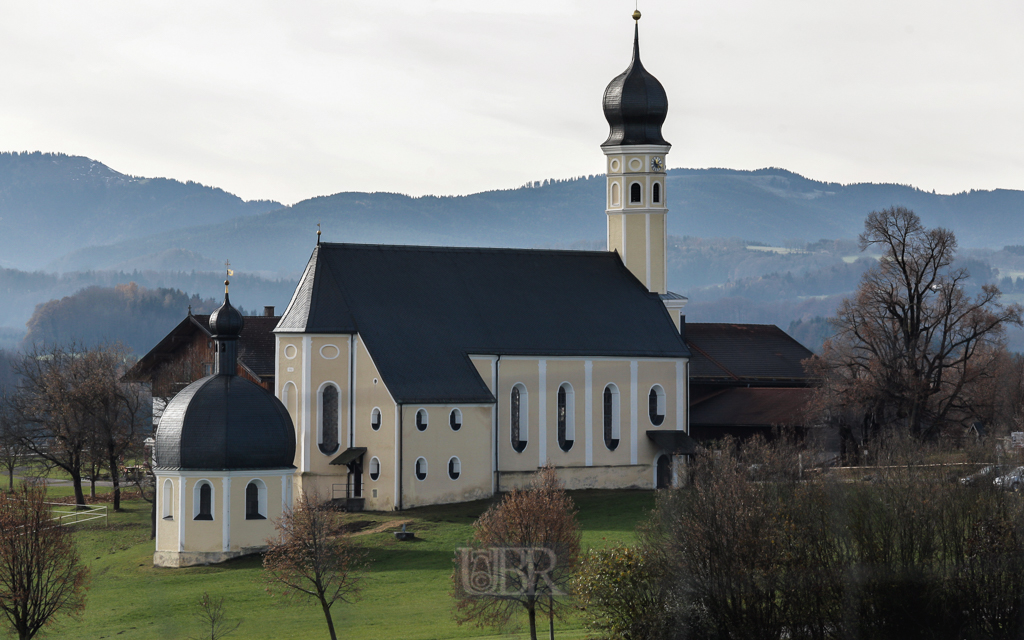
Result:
pixel 253 533
pixel 635 449
pixel 370 393
pixel 437 444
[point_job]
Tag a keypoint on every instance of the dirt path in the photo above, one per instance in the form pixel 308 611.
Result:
pixel 382 527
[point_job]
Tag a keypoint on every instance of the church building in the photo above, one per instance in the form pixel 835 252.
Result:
pixel 426 375
pixel 412 375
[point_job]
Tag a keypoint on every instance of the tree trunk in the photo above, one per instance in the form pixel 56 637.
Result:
pixel 115 477
pixel 330 621
pixel 533 621
pixel 551 616
pixel 92 485
pixel 76 481
pixel 10 478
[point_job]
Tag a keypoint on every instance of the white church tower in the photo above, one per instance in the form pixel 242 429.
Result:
pixel 635 106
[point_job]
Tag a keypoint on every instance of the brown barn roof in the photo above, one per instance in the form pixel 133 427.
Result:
pixel 751 407
pixel 255 346
pixel 722 352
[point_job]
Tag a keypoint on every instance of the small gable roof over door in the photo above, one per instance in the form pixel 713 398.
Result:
pixel 421 311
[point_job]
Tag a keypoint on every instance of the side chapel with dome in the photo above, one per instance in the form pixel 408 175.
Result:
pixel 412 375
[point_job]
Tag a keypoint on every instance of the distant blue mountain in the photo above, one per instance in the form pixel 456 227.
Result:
pixel 52 204
pixel 766 205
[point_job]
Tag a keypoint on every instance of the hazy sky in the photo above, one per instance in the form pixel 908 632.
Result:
pixel 289 100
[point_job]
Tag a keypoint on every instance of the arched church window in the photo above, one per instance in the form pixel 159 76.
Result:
pixel 374 468
pixel 330 419
pixel 204 501
pixel 422 419
pixel 255 501
pixel 520 411
pixel 611 416
pixel 421 468
pixel 615 194
pixel 656 405
pixel 168 499
pixel 635 193
pixel 656 194
pixel 455 419
pixel 375 419
pixel 566 417
pixel 454 468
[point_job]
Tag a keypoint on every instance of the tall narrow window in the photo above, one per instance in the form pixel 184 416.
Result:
pixel 329 419
pixel 375 419
pixel 205 511
pixel 611 417
pixel 635 194
pixel 255 501
pixel 566 417
pixel 422 419
pixel 454 468
pixel 656 194
pixel 656 405
pixel 615 194
pixel 455 419
pixel 520 411
pixel 168 500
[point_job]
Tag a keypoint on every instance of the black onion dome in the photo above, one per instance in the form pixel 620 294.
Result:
pixel 226 320
pixel 225 422
pixel 635 104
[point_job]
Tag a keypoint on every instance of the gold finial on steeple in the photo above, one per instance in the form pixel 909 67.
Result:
pixel 318 233
pixel 228 271
pixel 636 15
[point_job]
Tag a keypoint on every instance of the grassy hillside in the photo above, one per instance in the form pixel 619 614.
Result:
pixel 405 593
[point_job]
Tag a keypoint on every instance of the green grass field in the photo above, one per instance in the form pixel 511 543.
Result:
pixel 405 591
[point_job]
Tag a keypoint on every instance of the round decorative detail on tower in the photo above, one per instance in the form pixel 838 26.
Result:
pixel 635 103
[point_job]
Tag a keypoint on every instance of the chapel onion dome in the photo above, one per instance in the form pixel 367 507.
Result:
pixel 224 422
pixel 635 103
pixel 226 321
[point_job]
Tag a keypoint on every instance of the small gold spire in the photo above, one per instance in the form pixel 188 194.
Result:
pixel 636 15
pixel 318 233
pixel 226 283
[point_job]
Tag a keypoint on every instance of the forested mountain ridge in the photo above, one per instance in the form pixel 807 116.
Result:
pixel 52 204
pixel 767 205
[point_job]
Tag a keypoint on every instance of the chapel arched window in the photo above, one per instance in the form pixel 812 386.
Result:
pixel 611 417
pixel 329 419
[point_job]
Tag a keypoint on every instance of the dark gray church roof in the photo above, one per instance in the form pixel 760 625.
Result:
pixel 224 422
pixel 635 104
pixel 422 310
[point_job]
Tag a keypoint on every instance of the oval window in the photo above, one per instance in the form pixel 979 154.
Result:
pixel 454 468
pixel 455 419
pixel 421 468
pixel 374 468
pixel 422 419
pixel 375 419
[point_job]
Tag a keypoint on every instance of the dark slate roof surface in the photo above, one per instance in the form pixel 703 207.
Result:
pixel 224 422
pixel 422 310
pixel 736 352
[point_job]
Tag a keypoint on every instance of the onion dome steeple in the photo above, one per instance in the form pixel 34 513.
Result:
pixel 226 325
pixel 635 104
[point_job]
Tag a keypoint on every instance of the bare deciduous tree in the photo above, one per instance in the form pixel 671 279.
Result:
pixel 213 619
pixel 313 556
pixel 912 343
pixel 76 413
pixel 41 575
pixel 13 452
pixel 537 528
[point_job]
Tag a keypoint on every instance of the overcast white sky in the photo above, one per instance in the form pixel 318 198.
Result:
pixel 289 100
